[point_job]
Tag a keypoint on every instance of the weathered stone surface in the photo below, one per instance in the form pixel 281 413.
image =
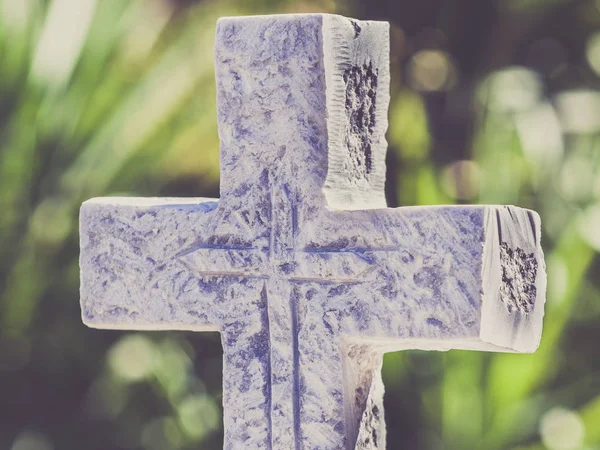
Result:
pixel 299 265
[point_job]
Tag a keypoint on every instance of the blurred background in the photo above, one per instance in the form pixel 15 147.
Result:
pixel 492 102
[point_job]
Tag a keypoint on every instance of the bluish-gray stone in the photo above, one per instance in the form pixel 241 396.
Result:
pixel 300 266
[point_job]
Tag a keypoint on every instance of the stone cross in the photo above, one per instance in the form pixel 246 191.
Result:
pixel 300 266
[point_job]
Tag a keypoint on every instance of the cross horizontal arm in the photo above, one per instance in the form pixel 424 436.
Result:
pixel 135 270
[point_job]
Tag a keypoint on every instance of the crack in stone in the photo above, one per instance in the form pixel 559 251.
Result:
pixel 357 28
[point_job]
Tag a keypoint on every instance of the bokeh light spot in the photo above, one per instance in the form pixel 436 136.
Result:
pixel 29 440
pixel 132 358
pixel 541 134
pixel 161 434
pixel 432 70
pixel 511 89
pixel 460 180
pixel 592 52
pixel 409 129
pixel 199 415
pixel 588 226
pixel 579 110
pixel 576 178
pixel 172 367
pixel 562 429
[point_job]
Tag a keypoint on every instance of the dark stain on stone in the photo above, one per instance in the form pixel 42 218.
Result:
pixel 407 257
pixel 436 323
pixel 499 227
pixel 519 273
pixel 532 223
pixel 357 29
pixel 431 277
pixel 361 96
pixel 368 437
pixel 338 290
pixel 288 267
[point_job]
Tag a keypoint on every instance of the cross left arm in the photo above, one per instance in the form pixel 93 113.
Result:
pixel 131 273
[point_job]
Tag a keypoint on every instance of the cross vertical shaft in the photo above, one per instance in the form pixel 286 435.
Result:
pixel 294 93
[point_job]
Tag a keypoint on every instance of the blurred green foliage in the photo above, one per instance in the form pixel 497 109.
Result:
pixel 117 97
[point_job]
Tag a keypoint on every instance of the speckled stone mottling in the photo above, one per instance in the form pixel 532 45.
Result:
pixel 306 274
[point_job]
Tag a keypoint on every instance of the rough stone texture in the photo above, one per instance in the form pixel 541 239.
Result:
pixel 299 265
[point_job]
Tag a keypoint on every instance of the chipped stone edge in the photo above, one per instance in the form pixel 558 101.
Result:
pixel 515 331
pixel 340 51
